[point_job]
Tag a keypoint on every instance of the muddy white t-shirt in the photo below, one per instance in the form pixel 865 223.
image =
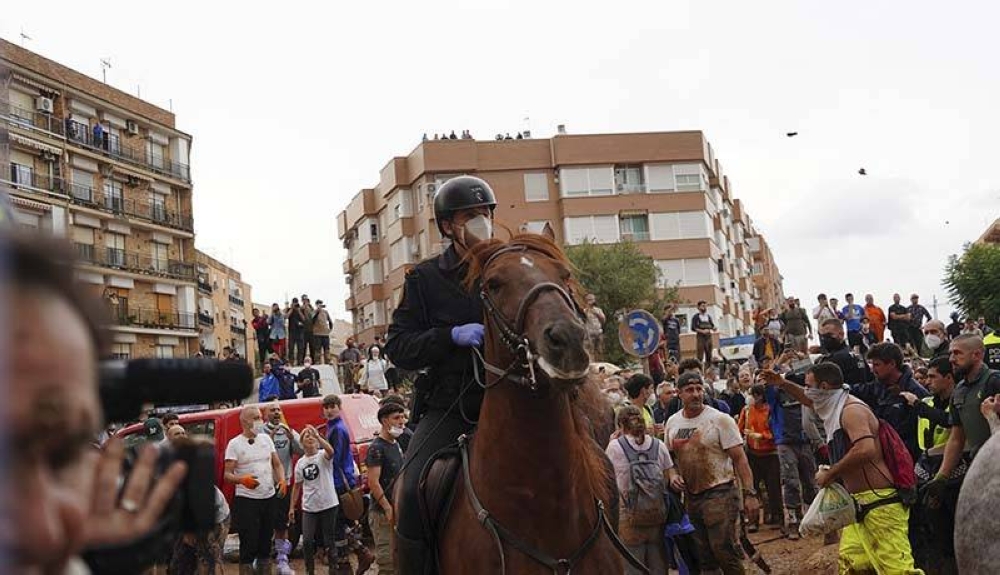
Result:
pixel 699 446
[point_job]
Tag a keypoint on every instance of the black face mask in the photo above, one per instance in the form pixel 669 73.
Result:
pixel 829 343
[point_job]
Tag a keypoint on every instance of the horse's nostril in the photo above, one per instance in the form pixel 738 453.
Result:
pixel 554 337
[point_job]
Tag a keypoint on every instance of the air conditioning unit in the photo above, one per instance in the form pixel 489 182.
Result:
pixel 132 180
pixel 43 104
pixel 431 189
pixel 348 278
pixel 131 127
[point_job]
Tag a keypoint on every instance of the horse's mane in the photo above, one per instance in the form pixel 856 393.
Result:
pixel 590 409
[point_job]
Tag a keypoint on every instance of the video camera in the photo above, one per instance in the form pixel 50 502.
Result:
pixel 124 387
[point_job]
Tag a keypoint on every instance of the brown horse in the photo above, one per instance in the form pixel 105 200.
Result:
pixel 536 490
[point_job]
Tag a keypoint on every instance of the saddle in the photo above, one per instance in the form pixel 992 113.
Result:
pixel 437 490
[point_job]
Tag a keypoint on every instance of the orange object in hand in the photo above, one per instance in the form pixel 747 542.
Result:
pixel 248 481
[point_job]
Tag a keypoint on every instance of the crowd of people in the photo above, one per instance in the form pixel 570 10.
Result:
pixel 793 419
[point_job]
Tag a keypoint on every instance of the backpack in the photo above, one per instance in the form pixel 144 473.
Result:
pixel 894 453
pixel 644 499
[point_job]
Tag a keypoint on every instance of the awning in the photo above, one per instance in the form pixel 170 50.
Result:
pixel 30 205
pixel 34 144
pixel 535 227
pixel 34 83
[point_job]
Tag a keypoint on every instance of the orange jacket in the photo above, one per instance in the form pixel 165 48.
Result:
pixel 754 420
pixel 876 317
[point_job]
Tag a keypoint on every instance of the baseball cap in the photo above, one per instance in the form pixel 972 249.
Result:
pixel 153 429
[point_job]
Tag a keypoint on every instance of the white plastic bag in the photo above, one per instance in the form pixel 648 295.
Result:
pixel 832 509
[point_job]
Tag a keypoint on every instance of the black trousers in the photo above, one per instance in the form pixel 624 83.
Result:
pixel 434 432
pixel 254 519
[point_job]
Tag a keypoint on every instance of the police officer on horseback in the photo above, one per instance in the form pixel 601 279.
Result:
pixel 432 329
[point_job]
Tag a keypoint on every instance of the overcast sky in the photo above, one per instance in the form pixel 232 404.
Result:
pixel 295 108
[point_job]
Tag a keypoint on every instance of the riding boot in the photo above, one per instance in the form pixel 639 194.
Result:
pixel 413 556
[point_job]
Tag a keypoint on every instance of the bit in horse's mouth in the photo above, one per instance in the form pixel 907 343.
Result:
pixel 555 373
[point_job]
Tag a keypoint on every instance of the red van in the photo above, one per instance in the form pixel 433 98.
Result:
pixel 358 410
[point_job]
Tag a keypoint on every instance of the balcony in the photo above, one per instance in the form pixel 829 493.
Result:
pixel 236 300
pixel 237 330
pixel 635 236
pixel 204 286
pixel 630 188
pixel 205 319
pixel 130 316
pixel 138 263
pixel 30 119
pixel 144 210
pixel 110 145
pixel 25 177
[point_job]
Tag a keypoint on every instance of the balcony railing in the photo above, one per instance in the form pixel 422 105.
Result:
pixel 140 209
pixel 111 145
pixel 204 286
pixel 630 188
pixel 30 119
pixel 21 176
pixel 237 330
pixel 635 236
pixel 152 318
pixel 206 319
pixel 236 300
pixel 138 263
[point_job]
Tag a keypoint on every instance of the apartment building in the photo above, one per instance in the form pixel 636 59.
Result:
pixel 765 274
pixel 225 309
pixel 109 172
pixel 664 191
pixel 991 235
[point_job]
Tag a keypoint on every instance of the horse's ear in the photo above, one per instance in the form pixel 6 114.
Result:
pixel 548 232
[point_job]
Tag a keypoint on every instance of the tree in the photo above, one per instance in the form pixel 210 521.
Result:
pixel 973 281
pixel 622 278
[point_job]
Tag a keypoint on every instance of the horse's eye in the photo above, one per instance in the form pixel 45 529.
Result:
pixel 493 284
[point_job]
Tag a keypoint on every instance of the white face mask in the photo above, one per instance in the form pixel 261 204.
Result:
pixel 480 227
pixel 933 341
pixel 615 398
pixel 395 431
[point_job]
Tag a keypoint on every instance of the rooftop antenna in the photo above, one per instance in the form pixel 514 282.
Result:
pixel 105 64
pixel 24 37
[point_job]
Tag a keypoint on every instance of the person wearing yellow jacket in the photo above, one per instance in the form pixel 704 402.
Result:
pixel 932 530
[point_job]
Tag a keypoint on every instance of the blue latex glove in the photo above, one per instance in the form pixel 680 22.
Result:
pixel 468 335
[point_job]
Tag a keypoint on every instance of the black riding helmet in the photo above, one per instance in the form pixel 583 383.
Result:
pixel 460 193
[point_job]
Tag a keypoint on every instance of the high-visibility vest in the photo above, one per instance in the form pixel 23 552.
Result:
pixel 923 424
pixel 992 344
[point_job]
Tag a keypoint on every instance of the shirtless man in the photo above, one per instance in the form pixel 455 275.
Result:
pixel 857 463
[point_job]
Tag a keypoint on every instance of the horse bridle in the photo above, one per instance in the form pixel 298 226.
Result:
pixel 513 336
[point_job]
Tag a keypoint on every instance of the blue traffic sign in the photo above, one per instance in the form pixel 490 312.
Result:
pixel 639 333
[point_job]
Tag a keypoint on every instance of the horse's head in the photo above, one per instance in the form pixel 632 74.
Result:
pixel 528 294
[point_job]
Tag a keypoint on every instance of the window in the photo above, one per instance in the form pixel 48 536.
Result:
pixel 635 228
pixel 536 187
pixel 680 225
pixel 121 351
pixel 597 181
pixel 22 174
pixel 676 177
pixel 156 155
pixel 629 180
pixel 373 226
pixel 160 257
pixel 28 220
pixel 115 244
pixel 758 269
pixel 164 351
pixel 114 198
pixel 688 272
pixel 401 205
pixel 371 272
pixel 83 185
pixel 159 207
pixel 596 229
